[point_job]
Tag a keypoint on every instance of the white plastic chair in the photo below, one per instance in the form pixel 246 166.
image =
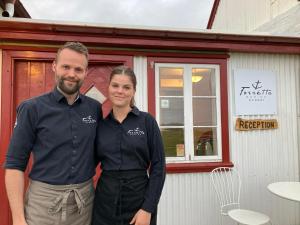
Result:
pixel 227 184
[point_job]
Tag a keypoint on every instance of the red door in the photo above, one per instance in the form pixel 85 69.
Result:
pixel 30 74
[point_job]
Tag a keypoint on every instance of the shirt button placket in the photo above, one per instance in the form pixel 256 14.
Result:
pixel 120 131
pixel 74 135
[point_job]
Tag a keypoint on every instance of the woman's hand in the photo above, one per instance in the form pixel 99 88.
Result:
pixel 141 218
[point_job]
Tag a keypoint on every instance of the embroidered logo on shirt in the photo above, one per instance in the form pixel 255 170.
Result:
pixel 88 119
pixel 135 132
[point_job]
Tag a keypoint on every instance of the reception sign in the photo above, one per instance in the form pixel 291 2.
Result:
pixel 246 125
pixel 255 92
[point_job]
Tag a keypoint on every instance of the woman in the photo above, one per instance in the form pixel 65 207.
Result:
pixel 130 150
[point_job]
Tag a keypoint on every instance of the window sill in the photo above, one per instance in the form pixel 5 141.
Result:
pixel 195 167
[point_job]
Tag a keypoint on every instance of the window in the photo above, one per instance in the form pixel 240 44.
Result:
pixel 188 97
pixel 188 111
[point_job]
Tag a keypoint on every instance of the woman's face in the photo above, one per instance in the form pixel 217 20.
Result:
pixel 120 90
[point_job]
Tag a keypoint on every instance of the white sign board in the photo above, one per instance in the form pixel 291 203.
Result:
pixel 255 92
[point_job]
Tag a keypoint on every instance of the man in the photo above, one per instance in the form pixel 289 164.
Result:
pixel 59 129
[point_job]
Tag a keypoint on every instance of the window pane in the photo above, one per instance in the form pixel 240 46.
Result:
pixel 171 112
pixel 170 81
pixel 204 112
pixel 204 82
pixel 205 141
pixel 173 139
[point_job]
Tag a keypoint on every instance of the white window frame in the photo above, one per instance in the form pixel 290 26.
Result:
pixel 188 120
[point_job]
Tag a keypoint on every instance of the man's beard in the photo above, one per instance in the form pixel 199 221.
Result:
pixel 67 89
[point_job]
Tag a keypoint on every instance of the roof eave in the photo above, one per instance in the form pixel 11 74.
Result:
pixel 45 32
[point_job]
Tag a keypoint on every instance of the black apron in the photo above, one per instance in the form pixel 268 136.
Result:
pixel 119 195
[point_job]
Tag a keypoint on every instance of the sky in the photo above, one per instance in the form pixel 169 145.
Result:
pixel 187 14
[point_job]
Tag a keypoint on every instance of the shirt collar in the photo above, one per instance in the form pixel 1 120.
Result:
pixel 135 111
pixel 59 96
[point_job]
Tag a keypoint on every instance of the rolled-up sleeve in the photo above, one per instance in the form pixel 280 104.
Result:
pixel 157 168
pixel 23 137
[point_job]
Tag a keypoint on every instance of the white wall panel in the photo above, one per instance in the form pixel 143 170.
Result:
pixel 140 70
pixel 246 15
pixel 267 156
pixel 188 199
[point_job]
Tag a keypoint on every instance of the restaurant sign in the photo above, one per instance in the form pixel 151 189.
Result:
pixel 255 92
pixel 246 125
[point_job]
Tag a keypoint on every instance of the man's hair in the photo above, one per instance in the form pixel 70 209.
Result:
pixel 75 46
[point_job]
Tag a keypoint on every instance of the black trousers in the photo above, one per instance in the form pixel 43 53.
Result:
pixel 119 195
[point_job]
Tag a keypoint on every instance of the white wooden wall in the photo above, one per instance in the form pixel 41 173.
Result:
pixel 188 199
pixel 141 94
pixel 246 15
pixel 267 156
pixel 261 157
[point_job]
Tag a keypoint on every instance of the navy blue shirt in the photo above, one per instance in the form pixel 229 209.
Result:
pixel 134 144
pixel 60 136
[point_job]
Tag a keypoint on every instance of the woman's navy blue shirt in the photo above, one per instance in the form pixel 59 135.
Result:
pixel 134 144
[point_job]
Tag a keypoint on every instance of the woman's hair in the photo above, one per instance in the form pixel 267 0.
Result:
pixel 124 70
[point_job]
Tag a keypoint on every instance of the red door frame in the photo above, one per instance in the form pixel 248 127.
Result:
pixel 7 100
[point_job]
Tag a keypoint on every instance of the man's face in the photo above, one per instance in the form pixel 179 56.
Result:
pixel 70 69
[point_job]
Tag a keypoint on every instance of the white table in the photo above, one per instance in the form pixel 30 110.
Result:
pixel 287 190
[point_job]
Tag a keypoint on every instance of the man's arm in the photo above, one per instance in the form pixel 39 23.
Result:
pixel 14 182
pixel 17 156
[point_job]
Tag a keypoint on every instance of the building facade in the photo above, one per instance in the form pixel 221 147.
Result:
pixel 187 80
